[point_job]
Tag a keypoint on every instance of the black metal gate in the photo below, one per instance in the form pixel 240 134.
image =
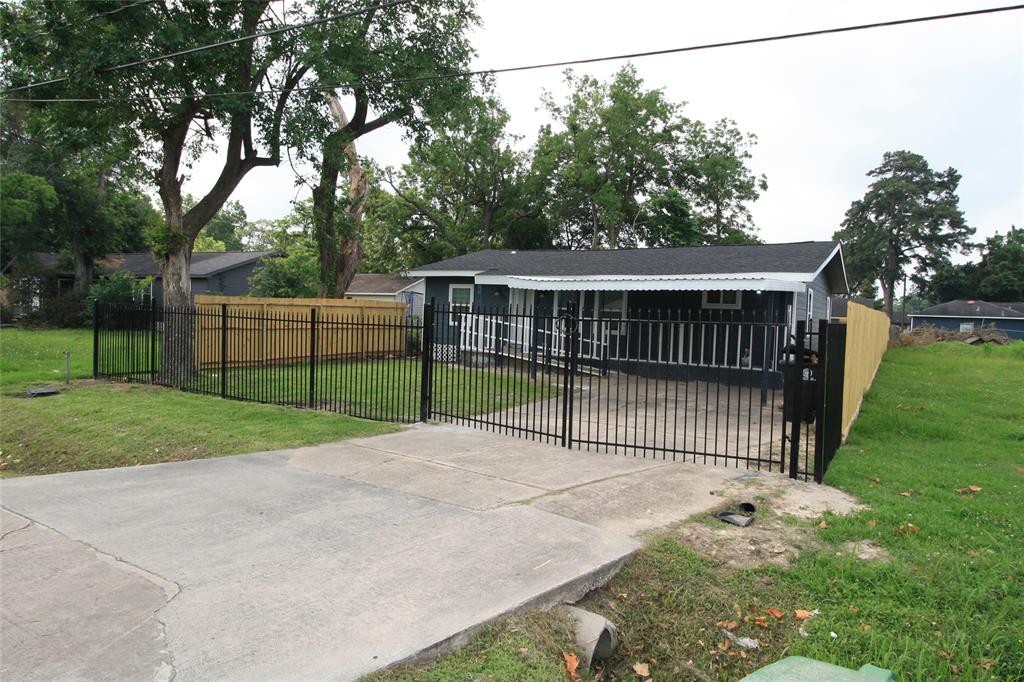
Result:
pixel 717 388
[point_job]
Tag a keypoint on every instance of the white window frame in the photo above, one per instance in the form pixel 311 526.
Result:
pixel 721 306
pixel 966 327
pixel 810 308
pixel 460 309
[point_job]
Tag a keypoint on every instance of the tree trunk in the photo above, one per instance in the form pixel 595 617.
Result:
pixel 595 236
pixel 488 226
pixel 888 285
pixel 83 266
pixel 340 254
pixel 324 201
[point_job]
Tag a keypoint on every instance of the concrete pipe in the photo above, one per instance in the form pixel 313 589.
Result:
pixel 595 635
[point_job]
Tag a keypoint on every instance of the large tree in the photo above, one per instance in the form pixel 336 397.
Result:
pixel 381 59
pixel 908 222
pixel 998 276
pixel 624 167
pixel 465 186
pixel 610 146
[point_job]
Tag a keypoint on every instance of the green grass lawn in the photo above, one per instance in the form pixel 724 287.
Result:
pixel 28 356
pixel 948 603
pixel 97 424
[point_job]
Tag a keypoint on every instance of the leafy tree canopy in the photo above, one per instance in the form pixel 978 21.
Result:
pixel 998 276
pixel 908 222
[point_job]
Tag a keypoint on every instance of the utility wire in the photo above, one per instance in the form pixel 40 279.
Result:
pixel 224 43
pixel 545 65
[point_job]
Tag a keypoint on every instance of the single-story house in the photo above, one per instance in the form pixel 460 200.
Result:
pixel 768 283
pixel 213 272
pixel 375 287
pixel 839 305
pixel 969 315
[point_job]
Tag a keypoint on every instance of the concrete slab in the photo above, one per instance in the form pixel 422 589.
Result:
pixel 283 573
pixel 453 485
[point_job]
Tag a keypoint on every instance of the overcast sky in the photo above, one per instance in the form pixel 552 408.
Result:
pixel 824 108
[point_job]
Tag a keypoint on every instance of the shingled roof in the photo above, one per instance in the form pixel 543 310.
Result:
pixel 370 283
pixel 796 257
pixel 973 308
pixel 142 264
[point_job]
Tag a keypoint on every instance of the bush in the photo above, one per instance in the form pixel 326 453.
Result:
pixel 63 310
pixel 120 288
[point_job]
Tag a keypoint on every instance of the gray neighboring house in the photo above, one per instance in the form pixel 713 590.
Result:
pixel 213 272
pixel 778 282
pixel 965 316
pixel 374 287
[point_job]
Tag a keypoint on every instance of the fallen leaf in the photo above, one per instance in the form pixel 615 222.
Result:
pixel 801 614
pixel 905 493
pixel 761 621
pixel 727 624
pixel 572 663
pixel 823 524
pixel 642 669
pixel 876 479
pixel 854 609
pixel 986 663
pixel 775 613
pixel 1020 470
pixel 746 619
pixel 872 522
pixel 969 489
pixel 864 626
pixel 724 645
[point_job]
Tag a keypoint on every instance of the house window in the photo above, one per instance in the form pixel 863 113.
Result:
pixel 460 296
pixel 721 300
pixel 967 326
pixel 810 307
pixel 613 304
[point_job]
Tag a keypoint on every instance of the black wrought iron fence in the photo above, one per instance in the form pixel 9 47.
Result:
pixel 718 388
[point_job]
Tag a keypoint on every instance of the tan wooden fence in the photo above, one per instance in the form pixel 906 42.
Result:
pixel 276 330
pixel 867 336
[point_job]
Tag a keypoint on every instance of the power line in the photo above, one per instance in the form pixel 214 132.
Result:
pixel 223 43
pixel 544 65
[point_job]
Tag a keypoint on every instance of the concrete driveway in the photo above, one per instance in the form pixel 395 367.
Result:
pixel 324 562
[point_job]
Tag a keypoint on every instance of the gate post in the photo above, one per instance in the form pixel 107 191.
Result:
pixel 223 350
pixel 820 401
pixel 96 339
pixel 427 339
pixel 152 340
pixel 796 394
pixel 312 357
pixel 568 371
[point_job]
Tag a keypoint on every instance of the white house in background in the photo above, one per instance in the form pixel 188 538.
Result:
pixel 408 290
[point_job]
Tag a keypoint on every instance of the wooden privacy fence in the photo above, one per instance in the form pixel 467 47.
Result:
pixel 867 336
pixel 262 330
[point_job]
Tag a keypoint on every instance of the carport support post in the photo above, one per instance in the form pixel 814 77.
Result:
pixel 312 357
pixel 428 359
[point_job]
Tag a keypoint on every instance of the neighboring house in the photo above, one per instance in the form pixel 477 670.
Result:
pixel 408 290
pixel 969 315
pixel 213 272
pixel 776 283
pixel 839 304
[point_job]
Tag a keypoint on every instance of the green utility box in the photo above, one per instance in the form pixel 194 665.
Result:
pixel 800 669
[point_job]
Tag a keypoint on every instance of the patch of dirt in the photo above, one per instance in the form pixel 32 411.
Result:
pixel 807 500
pixel 866 550
pixel 769 540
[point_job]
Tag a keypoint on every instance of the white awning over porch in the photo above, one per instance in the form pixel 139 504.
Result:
pixel 767 281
